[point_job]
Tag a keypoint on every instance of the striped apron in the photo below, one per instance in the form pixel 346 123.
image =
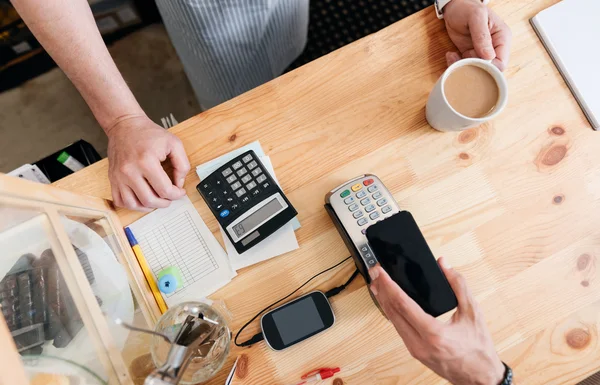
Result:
pixel 228 47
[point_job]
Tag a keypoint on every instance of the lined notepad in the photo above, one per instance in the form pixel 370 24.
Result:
pixel 177 236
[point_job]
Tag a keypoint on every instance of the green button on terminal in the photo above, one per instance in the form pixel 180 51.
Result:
pixel 345 193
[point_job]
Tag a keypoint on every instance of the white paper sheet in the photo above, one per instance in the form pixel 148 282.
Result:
pixel 177 236
pixel 280 242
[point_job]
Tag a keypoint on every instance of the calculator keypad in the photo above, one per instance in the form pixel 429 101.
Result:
pixel 241 182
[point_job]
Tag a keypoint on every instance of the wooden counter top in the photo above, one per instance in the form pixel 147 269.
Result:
pixel 514 204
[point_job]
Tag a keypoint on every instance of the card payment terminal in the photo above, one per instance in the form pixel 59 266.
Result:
pixel 353 207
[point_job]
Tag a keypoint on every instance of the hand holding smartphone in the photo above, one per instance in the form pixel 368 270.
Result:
pixel 403 253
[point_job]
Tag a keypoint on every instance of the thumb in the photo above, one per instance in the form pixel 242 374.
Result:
pixel 452 57
pixel 180 162
pixel 480 34
pixel 458 284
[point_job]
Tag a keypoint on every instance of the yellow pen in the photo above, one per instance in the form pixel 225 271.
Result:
pixel 137 250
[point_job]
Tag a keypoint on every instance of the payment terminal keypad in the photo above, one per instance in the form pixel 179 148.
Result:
pixel 358 204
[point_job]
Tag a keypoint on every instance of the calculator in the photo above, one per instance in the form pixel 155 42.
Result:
pixel 247 202
pixel 354 206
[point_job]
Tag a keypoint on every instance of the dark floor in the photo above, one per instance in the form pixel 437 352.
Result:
pixel 335 23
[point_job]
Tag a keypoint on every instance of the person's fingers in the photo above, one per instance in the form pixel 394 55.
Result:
pixel 458 285
pixel 116 195
pixel 146 195
pixel 480 33
pixel 160 182
pixel 129 199
pixel 180 162
pixel 470 53
pixel 395 301
pixel 501 39
pixel 452 57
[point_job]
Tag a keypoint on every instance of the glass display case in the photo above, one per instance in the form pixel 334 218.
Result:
pixel 66 274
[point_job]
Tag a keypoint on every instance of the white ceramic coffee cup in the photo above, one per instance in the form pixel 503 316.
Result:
pixel 443 117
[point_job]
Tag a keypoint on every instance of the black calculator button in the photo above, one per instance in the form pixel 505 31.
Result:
pixel 219 207
pixel 231 179
pixel 255 192
pixel 242 171
pixel 214 200
pixel 247 178
pixel 211 193
pixel 252 164
pixel 227 172
pixel 261 178
pixel 236 186
pixel 237 165
pixel 266 185
pixel 229 200
pixel 245 199
pixel 240 192
pixel 205 186
pixel 256 171
pixel 235 206
pixel 247 158
pixel 225 192
pixel 251 185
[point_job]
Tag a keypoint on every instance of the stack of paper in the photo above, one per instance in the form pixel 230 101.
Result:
pixel 282 241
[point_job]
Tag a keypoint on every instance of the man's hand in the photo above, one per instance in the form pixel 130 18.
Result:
pixel 477 32
pixel 460 350
pixel 136 148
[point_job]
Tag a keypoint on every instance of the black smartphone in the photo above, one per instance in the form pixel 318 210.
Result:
pixel 297 320
pixel 402 251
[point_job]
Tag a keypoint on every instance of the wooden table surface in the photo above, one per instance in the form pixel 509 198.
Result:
pixel 514 204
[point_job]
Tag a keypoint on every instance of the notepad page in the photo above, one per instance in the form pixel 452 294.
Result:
pixel 177 236
pixel 570 31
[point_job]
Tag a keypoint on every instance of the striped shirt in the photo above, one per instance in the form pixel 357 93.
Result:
pixel 228 47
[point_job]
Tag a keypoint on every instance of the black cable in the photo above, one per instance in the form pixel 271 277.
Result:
pixel 259 336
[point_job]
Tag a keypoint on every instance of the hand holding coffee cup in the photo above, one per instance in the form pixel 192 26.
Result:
pixel 469 93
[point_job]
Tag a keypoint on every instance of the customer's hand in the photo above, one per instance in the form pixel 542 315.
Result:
pixel 136 148
pixel 460 350
pixel 477 32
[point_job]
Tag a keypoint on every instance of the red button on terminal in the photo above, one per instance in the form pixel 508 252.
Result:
pixel 368 182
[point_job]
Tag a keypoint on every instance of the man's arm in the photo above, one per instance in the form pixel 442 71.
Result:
pixel 137 146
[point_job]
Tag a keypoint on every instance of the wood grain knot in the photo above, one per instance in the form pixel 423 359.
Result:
pixel 241 370
pixel 554 155
pixel 583 261
pixel 557 131
pixel 232 138
pixel 578 338
pixel 467 135
pixel 463 156
pixel 585 283
pixel 338 381
pixel 558 199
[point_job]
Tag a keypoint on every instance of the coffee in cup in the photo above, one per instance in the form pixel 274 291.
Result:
pixel 470 92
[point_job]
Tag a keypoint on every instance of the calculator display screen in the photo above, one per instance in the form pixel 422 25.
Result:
pixel 258 217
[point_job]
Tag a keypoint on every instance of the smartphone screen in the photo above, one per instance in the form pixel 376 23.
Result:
pixel 402 251
pixel 297 320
